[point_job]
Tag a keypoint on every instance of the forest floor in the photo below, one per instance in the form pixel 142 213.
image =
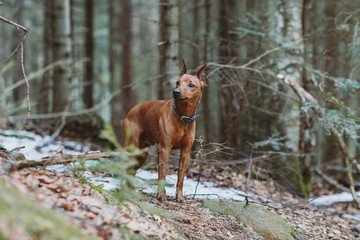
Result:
pixel 101 217
pixel 92 211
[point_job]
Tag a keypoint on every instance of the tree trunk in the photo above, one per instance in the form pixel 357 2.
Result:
pixel 306 129
pixel 287 24
pixel 89 55
pixel 325 148
pixel 61 50
pixel 227 53
pixel 169 49
pixel 128 98
pixel 287 29
pixel 162 80
pixel 206 91
pixel 19 92
pixel 46 78
pixel 195 34
pixel 115 84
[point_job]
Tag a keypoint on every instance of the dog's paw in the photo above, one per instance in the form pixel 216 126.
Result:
pixel 180 198
pixel 161 196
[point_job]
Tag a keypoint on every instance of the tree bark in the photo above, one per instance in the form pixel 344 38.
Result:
pixel 61 50
pixel 89 55
pixel 287 23
pixel 206 91
pixel 162 68
pixel 128 97
pixel 115 83
pixel 19 92
pixel 46 79
pixel 227 53
pixel 169 45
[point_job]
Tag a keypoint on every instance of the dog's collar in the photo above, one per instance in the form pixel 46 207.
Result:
pixel 182 117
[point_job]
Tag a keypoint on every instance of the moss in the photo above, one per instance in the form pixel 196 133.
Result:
pixel 304 180
pixel 267 224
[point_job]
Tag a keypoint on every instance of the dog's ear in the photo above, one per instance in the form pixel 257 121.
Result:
pixel 202 74
pixel 183 70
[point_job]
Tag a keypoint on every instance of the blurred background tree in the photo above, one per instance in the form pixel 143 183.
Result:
pixel 80 53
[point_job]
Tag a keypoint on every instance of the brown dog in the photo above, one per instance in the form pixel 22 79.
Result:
pixel 170 124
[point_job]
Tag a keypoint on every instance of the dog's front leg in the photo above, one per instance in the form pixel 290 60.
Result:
pixel 163 157
pixel 183 164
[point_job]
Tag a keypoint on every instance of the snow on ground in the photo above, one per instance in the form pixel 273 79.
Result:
pixel 31 142
pixel 11 139
pixel 327 200
pixel 191 187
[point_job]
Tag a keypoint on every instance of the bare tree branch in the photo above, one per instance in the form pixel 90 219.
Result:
pixel 18 26
pixel 21 47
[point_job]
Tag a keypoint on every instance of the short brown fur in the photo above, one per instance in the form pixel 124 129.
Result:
pixel 156 122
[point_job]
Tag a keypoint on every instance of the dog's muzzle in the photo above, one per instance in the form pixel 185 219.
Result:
pixel 176 94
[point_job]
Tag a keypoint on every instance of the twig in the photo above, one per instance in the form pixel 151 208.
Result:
pixel 199 156
pixel 18 26
pixel 32 76
pixel 57 160
pixel 330 180
pixel 58 150
pixel 249 175
pixel 305 96
pixel 244 66
pixel 21 46
pixel 24 75
pixel 237 161
pixel 60 128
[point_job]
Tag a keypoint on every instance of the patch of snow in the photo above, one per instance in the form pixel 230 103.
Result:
pixel 60 168
pixel 31 141
pixel 191 187
pixel 355 217
pixel 327 200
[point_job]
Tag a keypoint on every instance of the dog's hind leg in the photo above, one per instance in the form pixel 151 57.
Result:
pixel 138 141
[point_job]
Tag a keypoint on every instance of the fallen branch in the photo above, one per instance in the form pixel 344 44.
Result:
pixel 58 160
pixel 305 96
pixel 330 180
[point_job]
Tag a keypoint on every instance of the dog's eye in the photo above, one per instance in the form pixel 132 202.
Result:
pixel 177 83
pixel 191 85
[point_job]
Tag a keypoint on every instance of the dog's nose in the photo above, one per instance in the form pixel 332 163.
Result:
pixel 176 92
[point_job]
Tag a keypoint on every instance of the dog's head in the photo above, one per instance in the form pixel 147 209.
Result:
pixel 188 86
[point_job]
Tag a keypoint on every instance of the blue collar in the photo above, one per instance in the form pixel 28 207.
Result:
pixel 184 118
